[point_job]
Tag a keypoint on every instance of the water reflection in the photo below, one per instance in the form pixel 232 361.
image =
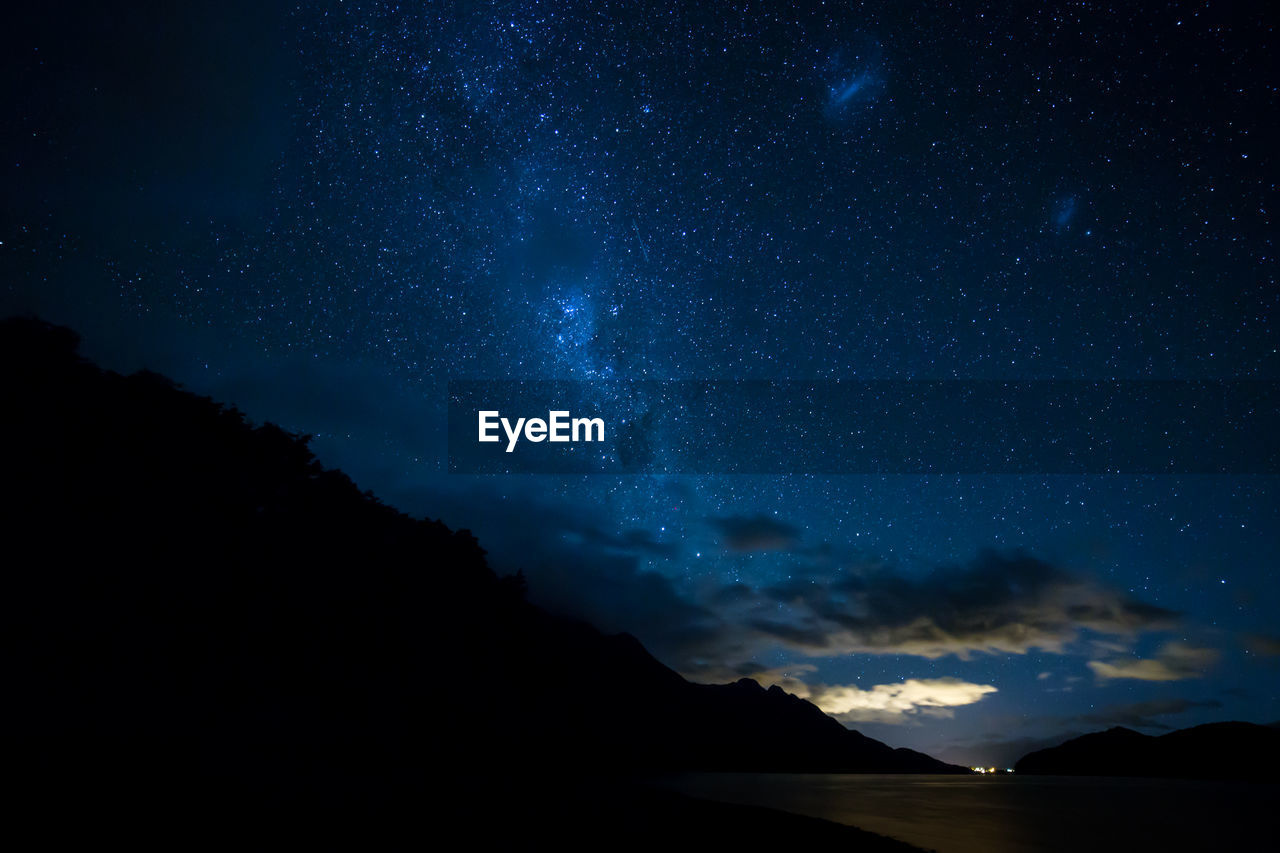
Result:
pixel 997 813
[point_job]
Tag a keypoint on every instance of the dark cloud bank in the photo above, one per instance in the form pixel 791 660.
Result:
pixel 1007 603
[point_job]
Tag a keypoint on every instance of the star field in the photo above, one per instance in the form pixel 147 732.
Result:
pixel 377 198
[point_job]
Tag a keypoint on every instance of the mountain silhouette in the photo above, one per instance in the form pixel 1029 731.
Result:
pixel 1230 750
pixel 206 616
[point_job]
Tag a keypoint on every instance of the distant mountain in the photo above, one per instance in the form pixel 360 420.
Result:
pixel 199 605
pixel 638 712
pixel 1231 750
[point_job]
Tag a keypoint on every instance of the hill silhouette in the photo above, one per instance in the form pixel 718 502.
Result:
pixel 1230 750
pixel 208 618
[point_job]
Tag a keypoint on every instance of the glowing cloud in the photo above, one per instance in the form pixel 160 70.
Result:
pixel 897 703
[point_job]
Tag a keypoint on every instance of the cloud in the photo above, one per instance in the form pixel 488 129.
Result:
pixel 1141 715
pixel 897 703
pixel 629 541
pixel 1001 604
pixel 996 603
pixel 1174 662
pixel 786 677
pixel 996 750
pixel 575 567
pixel 1266 645
pixel 742 534
pixel 831 606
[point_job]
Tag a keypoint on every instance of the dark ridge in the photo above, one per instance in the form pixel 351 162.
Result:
pixel 205 614
pixel 1231 750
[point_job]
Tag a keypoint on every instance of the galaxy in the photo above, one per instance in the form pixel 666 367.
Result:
pixel 858 77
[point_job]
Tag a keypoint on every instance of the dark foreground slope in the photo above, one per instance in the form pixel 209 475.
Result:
pixel 1230 750
pixel 204 614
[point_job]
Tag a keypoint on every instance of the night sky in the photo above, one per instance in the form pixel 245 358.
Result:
pixel 323 214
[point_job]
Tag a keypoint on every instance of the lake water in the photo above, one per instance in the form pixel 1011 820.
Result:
pixel 1012 814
